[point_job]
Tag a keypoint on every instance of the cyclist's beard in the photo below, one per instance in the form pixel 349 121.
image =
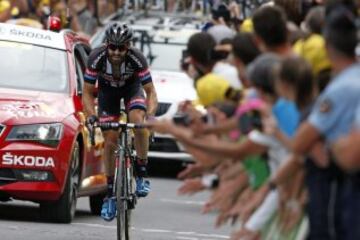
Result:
pixel 116 59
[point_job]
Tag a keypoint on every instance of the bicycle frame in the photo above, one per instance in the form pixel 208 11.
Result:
pixel 122 185
pixel 123 179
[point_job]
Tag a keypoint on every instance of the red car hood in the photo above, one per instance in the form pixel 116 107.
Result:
pixel 26 107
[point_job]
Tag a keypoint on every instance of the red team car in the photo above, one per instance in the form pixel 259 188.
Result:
pixel 45 152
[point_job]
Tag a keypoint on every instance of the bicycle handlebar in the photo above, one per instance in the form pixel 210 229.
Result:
pixel 118 125
pixel 111 126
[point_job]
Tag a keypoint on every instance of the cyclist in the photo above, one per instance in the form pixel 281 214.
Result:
pixel 121 71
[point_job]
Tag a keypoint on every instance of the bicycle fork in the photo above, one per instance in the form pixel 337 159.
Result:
pixel 123 160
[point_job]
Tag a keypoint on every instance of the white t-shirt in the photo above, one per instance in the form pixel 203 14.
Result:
pixel 229 73
pixel 277 152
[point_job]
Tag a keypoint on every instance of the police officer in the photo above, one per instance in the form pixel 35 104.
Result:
pixel 333 117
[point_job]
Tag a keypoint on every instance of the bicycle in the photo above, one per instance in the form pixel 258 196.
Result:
pixel 124 187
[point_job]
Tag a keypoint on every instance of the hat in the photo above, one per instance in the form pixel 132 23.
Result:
pixel 211 88
pixel 247 25
pixel 312 49
pixel 4 6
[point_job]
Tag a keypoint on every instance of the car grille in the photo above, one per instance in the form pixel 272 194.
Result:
pixel 162 109
pixel 7 176
pixel 164 145
pixel 2 127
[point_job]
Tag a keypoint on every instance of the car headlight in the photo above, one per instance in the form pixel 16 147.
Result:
pixel 48 134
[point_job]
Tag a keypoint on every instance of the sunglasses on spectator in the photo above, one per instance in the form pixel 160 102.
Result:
pixel 113 47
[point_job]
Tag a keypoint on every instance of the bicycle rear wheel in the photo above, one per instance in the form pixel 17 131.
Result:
pixel 123 213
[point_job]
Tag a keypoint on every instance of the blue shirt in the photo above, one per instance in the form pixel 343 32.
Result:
pixel 334 112
pixel 357 117
pixel 287 116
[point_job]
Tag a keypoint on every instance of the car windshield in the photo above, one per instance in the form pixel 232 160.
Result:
pixel 30 67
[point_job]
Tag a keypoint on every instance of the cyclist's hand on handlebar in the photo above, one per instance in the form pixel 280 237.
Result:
pixel 90 121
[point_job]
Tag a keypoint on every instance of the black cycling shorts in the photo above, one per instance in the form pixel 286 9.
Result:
pixel 109 101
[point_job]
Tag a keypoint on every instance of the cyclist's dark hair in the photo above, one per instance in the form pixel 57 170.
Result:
pixel 340 31
pixel 245 48
pixel 200 47
pixel 296 72
pixel 270 25
pixel 261 72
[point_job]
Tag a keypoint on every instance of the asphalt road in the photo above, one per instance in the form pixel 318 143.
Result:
pixel 163 215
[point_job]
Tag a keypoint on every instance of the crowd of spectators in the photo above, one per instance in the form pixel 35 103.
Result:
pixel 283 145
pixel 83 16
pixel 280 138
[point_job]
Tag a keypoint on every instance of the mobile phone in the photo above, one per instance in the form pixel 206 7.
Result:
pixel 249 121
pixel 183 62
pixel 181 119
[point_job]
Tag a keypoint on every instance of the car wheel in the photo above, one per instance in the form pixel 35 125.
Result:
pixel 63 210
pixel 96 202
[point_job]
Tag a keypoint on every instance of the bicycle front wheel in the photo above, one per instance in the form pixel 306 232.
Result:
pixel 123 213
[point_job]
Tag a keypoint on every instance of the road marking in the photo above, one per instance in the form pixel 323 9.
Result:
pixel 94 225
pixel 200 203
pixel 187 238
pixel 203 235
pixel 189 235
pixel 154 230
pixel 186 233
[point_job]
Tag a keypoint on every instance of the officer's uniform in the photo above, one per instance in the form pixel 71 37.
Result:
pixel 333 116
pixel 357 117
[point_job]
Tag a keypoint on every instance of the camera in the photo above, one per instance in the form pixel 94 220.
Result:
pixel 184 119
pixel 250 121
pixel 184 62
pixel 181 119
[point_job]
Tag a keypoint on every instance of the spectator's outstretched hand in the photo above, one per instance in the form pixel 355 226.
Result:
pixel 226 194
pixel 191 186
pixel 192 170
pixel 161 126
pixel 245 234
pixel 243 198
pixel 254 202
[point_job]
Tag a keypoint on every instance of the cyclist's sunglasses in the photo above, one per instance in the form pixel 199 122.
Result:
pixel 113 47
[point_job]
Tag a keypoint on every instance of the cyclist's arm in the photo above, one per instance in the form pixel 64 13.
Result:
pixel 90 79
pixel 88 98
pixel 151 98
